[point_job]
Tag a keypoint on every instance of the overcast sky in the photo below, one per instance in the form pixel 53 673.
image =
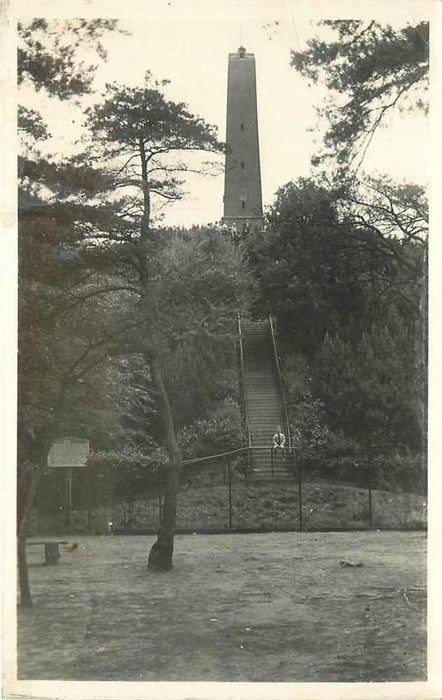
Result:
pixel 189 45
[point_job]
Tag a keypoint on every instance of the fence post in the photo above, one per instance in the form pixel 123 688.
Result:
pixel 271 459
pixel 299 494
pixel 370 496
pixel 229 474
pixel 38 502
pixel 160 506
pixel 89 499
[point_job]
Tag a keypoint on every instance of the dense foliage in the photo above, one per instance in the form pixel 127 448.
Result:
pixel 344 273
pixel 48 54
pixel 368 69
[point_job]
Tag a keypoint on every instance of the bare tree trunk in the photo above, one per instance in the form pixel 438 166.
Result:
pixel 161 553
pixel 22 518
pixel 25 591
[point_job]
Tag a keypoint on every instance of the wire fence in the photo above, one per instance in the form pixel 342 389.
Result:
pixel 222 493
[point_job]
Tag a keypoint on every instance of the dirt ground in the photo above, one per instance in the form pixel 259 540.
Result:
pixel 255 607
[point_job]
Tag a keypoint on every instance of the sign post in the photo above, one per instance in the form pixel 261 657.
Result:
pixel 69 453
pixel 70 496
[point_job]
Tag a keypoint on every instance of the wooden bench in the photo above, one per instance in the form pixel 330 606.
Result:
pixel 52 552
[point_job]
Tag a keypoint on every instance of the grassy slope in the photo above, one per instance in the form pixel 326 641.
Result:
pixel 268 506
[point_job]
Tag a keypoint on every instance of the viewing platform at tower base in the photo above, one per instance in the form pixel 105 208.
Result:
pixel 241 225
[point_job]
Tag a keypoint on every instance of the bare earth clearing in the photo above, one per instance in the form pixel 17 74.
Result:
pixel 255 607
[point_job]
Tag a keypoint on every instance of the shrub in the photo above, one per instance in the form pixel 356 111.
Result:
pixel 221 431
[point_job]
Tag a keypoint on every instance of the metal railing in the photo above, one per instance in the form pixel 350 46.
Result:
pixel 242 393
pixel 281 384
pixel 238 500
pixel 224 460
pixel 298 518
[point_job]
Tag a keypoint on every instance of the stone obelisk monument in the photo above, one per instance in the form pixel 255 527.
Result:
pixel 242 183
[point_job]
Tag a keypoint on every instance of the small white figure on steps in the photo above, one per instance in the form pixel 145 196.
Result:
pixel 278 439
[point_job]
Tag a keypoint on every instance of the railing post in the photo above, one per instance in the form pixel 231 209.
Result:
pixel 300 496
pixel 229 474
pixel 271 459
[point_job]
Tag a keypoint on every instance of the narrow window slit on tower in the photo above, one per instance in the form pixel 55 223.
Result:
pixel 243 204
pixel 242 165
pixel 242 126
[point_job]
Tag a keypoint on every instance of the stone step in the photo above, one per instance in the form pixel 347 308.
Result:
pixel 268 474
pixel 263 330
pixel 262 437
pixel 262 422
pixel 266 404
pixel 263 401
pixel 263 427
pixel 254 374
pixel 265 419
pixel 266 388
pixel 265 455
pixel 258 375
pixel 270 397
pixel 258 378
pixel 253 403
pixel 267 392
pixel 250 339
pixel 265 467
pixel 270 405
pixel 268 480
pixel 264 430
pixel 266 416
pixel 263 412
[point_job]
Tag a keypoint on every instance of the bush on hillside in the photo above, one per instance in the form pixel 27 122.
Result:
pixel 219 432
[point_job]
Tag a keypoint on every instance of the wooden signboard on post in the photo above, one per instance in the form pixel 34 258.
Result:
pixel 69 453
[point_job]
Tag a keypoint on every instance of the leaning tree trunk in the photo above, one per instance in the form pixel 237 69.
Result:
pixel 31 458
pixel 161 553
pixel 25 591
pixel 25 503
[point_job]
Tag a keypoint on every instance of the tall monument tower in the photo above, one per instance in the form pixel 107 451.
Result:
pixel 242 180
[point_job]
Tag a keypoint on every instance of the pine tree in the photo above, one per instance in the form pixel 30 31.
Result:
pixel 371 68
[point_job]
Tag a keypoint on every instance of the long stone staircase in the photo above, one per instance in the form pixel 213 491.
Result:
pixel 263 401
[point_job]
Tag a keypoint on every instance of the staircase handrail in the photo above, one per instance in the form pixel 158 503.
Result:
pixel 241 356
pixel 195 460
pixel 281 384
